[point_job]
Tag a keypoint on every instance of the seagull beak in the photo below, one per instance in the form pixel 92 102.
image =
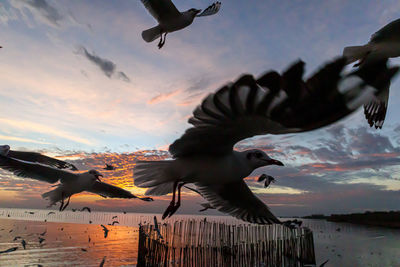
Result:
pixel 97 177
pixel 198 11
pixel 275 162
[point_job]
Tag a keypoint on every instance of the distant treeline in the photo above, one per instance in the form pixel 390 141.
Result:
pixel 375 218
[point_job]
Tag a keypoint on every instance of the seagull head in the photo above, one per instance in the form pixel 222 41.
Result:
pixel 4 150
pixel 257 158
pixel 96 175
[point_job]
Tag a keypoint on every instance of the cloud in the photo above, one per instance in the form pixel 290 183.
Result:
pixel 47 11
pixel 108 67
pixel 20 139
pixel 44 129
pixel 163 96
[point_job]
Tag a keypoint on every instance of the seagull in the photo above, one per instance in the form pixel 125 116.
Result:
pixel 35 157
pixel 206 205
pixel 103 261
pixel 105 231
pixel 109 167
pixel 9 250
pixel 114 222
pixel 268 179
pixel 41 240
pixel 23 243
pixel 70 183
pixel 385 43
pixel 42 234
pixel 86 208
pixel 51 212
pixel 170 19
pixel 271 104
pixel 114 217
pixel 16 238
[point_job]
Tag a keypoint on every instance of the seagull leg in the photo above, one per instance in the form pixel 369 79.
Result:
pixel 69 198
pixel 62 201
pixel 172 204
pixel 178 203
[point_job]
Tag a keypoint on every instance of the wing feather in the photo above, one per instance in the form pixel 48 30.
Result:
pixel 246 108
pixel 211 10
pixel 161 10
pixel 35 171
pixel 37 157
pixel 237 200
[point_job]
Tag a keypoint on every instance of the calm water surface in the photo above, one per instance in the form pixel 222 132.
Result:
pixel 343 244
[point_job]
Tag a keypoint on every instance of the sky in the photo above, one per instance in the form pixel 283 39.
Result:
pixel 79 83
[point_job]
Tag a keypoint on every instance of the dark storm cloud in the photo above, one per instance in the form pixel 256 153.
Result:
pixel 108 67
pixel 47 11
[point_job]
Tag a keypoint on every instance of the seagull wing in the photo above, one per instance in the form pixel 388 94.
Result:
pixel 390 32
pixel 35 170
pixel 161 10
pixel 276 104
pixel 237 200
pixel 107 190
pixel 37 157
pixel 211 10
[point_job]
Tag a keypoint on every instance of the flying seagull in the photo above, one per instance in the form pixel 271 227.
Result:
pixel 170 19
pixel 86 208
pixel 268 179
pixel 385 43
pixel 105 231
pixel 272 104
pixel 70 183
pixel 35 157
pixel 109 167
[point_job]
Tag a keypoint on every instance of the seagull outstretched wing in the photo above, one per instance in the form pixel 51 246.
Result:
pixel 211 10
pixel 390 32
pixel 35 170
pixel 161 10
pixel 237 200
pixel 278 104
pixel 37 157
pixel 107 190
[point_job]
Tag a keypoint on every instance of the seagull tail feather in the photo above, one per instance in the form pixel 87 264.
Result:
pixel 152 173
pixel 151 34
pixel 354 53
pixel 53 196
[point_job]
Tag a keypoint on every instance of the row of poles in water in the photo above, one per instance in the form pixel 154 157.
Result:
pixel 203 243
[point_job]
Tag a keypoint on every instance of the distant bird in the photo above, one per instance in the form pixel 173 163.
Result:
pixel 11 231
pixel 157 228
pixel 86 208
pixel 90 222
pixel 114 217
pixel 268 179
pixel 271 104
pixel 51 212
pixel 338 229
pixel 9 250
pixel 84 249
pixel 170 19
pixel 70 183
pixel 103 261
pixel 16 238
pixel 73 210
pixel 23 243
pixel 105 231
pixel 114 222
pixel 42 234
pixel 124 212
pixel 41 240
pixel 109 167
pixel 35 157
pixel 89 239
